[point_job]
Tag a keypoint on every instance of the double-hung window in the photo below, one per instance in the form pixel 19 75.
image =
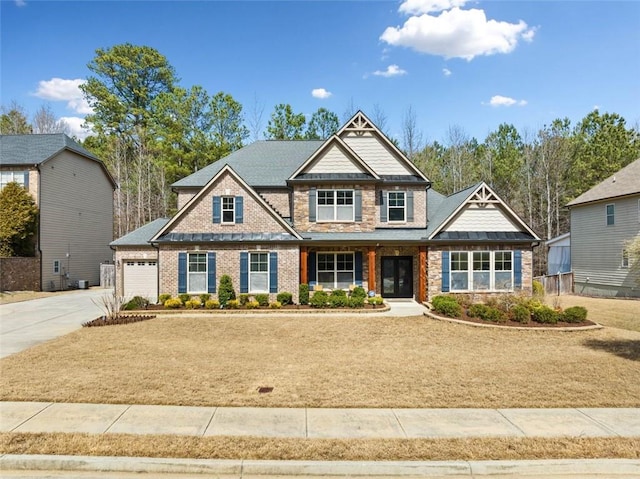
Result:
pixel 228 209
pixel 7 177
pixel 481 271
pixel 397 206
pixel 336 270
pixel 197 273
pixel 335 205
pixel 259 272
pixel 611 215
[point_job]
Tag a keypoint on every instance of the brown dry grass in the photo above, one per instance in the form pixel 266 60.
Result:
pixel 612 312
pixel 320 449
pixel 328 362
pixel 18 296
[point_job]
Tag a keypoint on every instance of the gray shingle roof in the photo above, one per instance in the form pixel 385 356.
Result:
pixel 624 182
pixel 35 149
pixel 263 163
pixel 142 235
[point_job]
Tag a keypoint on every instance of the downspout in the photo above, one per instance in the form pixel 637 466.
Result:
pixel 37 166
pixel 157 248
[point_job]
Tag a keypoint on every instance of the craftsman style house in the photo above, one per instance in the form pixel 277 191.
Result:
pixel 351 210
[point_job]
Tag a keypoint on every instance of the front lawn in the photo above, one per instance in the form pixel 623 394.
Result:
pixel 612 312
pixel 328 361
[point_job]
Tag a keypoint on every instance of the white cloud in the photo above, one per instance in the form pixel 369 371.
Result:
pixel 60 89
pixel 458 33
pixel 391 71
pixel 74 124
pixel 446 72
pixel 413 7
pixel 320 93
pixel 499 100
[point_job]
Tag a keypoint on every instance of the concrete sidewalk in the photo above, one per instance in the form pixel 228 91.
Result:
pixel 317 423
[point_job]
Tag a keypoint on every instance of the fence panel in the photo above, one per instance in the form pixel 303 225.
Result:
pixel 557 284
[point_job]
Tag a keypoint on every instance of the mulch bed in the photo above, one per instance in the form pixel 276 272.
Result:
pixel 513 324
pixel 121 319
pixel 288 307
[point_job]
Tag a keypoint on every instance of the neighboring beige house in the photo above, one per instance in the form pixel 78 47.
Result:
pixel 603 220
pixel 351 210
pixel 74 194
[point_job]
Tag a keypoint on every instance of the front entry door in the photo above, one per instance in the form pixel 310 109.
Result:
pixel 397 277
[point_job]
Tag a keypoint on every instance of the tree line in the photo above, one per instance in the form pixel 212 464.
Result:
pixel 150 132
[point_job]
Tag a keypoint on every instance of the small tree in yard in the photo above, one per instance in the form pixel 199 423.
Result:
pixel 225 290
pixel 18 221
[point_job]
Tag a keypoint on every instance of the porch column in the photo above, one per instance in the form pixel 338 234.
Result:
pixel 371 259
pixel 304 255
pixel 422 274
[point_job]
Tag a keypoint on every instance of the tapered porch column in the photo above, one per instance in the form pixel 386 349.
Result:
pixel 422 274
pixel 304 274
pixel 371 259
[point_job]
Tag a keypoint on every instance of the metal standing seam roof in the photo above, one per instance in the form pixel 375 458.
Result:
pixel 624 182
pixel 142 235
pixel 35 149
pixel 224 237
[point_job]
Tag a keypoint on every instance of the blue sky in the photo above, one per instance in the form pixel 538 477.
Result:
pixel 455 62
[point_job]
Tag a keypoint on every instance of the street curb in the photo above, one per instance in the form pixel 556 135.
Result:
pixel 242 468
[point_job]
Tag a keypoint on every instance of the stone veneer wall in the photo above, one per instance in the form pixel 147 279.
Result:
pixel 434 266
pixel 125 253
pixel 228 262
pixel 20 274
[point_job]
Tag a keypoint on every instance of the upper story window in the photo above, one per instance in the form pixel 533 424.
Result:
pixel 611 215
pixel 228 209
pixel 397 206
pixel 335 205
pixel 20 177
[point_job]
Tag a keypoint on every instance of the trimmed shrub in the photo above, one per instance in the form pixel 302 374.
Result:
pixel 275 305
pixel 285 298
pixel 338 299
pixel 137 302
pixel 487 313
pixel 464 299
pixel 574 314
pixel 358 292
pixel 233 304
pixel 319 299
pixel 303 293
pixel 538 289
pixel 163 297
pixel 262 299
pixel 521 314
pixel 244 299
pixel 225 290
pixel 545 315
pixel 446 305
pixel 193 303
pixel 204 297
pixel 253 304
pixel 212 304
pixel 172 303
pixel 375 301
pixel 356 302
pixel 477 310
pixel 184 297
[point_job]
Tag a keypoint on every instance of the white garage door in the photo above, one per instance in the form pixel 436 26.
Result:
pixel 141 279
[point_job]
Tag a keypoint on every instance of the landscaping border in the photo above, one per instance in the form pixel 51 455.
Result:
pixel 215 312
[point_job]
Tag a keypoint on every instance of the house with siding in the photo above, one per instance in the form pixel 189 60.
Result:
pixel 74 194
pixel 603 220
pixel 350 210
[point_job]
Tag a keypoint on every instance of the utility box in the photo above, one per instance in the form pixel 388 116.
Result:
pixel 83 284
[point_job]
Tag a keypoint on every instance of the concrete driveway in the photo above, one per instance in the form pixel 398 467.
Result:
pixel 28 323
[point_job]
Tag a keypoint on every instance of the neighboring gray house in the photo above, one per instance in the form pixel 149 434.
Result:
pixel 74 194
pixel 603 220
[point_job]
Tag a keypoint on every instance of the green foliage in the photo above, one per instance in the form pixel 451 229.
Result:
pixel 446 305
pixel 193 303
pixel 544 314
pixel 285 298
pixel 204 297
pixel 275 305
pixel 322 125
pixel 262 299
pixel 253 304
pixel 172 303
pixel 137 302
pixel 244 299
pixel 521 314
pixel 338 299
pixel 538 289
pixel 212 304
pixel 233 304
pixel 303 293
pixel 284 124
pixel 13 121
pixel 358 292
pixel 225 290
pixel 574 314
pixel 184 297
pixel 356 302
pixel 375 300
pixel 487 313
pixel 18 221
pixel 163 297
pixel 320 299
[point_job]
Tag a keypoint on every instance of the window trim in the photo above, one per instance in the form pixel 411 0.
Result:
pixel 335 270
pixel 232 199
pixel 267 272
pixel 471 263
pixel 404 206
pixel 626 259
pixel 611 215
pixel 335 205
pixel 14 174
pixel 205 272
pixel 56 266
